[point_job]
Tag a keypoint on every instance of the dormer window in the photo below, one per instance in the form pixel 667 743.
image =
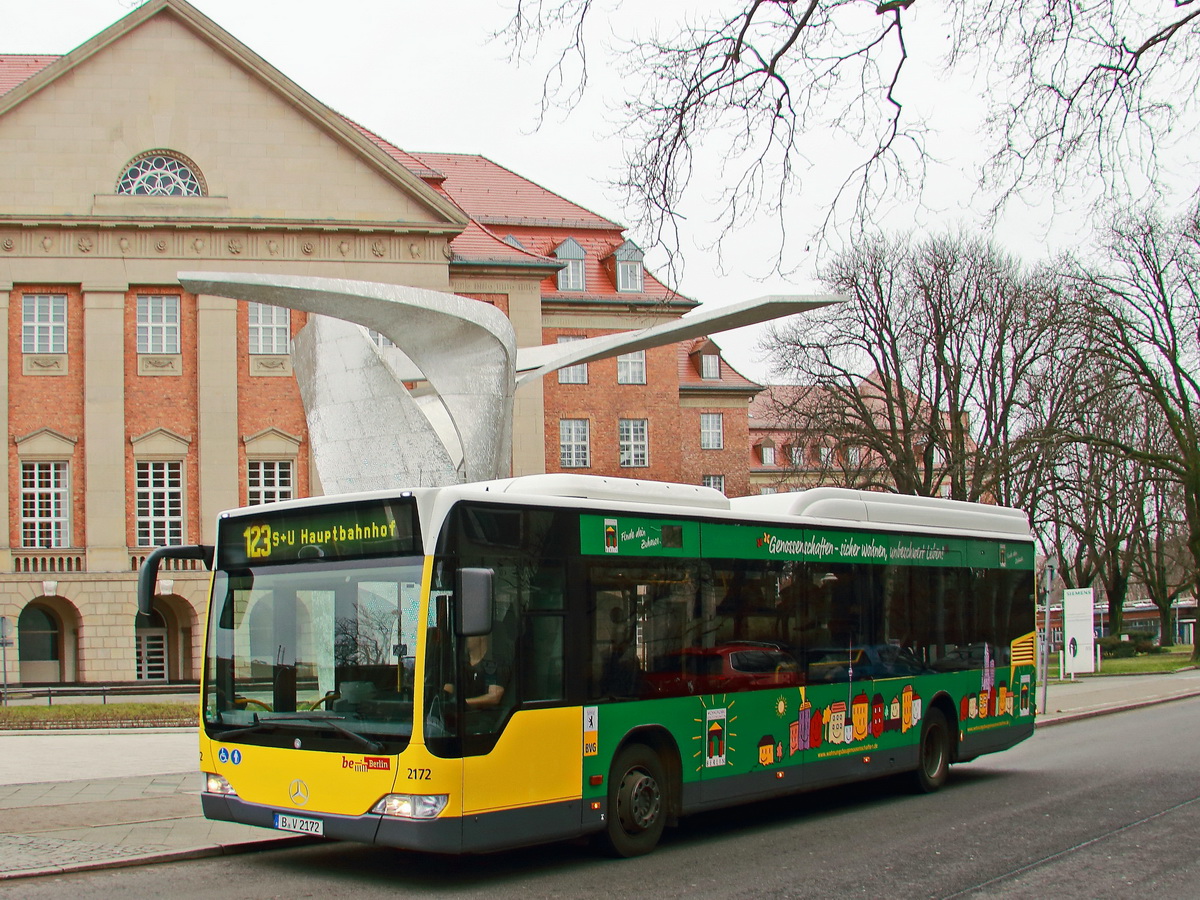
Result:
pixel 571 277
pixel 162 173
pixel 629 276
pixel 628 270
pixel 710 366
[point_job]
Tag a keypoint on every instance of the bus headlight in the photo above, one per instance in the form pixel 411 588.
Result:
pixel 412 806
pixel 216 784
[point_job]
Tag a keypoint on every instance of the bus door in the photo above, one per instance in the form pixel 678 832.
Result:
pixel 522 765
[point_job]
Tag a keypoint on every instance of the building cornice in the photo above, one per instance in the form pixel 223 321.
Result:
pixel 221 241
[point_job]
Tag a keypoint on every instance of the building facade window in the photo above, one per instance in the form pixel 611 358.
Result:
pixel 158 323
pixel 768 455
pixel 44 323
pixel 629 276
pixel 712 431
pixel 572 276
pixel 717 482
pixel 45 505
pixel 710 366
pixel 159 503
pixel 270 329
pixel 381 341
pixel 572 374
pixel 268 480
pixel 162 173
pixel 574 443
pixel 631 368
pixel 768 490
pixel 633 439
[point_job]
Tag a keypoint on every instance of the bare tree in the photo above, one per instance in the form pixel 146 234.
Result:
pixel 1094 506
pixel 1143 311
pixel 766 86
pixel 1161 561
pixel 935 365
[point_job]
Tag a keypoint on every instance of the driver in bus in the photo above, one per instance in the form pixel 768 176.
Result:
pixel 483 680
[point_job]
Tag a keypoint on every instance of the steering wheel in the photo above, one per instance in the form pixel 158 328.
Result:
pixel 332 695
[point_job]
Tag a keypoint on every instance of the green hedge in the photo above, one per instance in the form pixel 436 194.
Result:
pixel 98 715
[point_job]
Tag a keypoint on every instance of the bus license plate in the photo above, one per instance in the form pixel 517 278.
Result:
pixel 299 825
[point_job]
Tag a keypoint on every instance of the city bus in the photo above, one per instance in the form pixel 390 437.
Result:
pixel 484 666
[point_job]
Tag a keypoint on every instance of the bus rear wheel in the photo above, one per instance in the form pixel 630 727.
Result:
pixel 933 760
pixel 637 803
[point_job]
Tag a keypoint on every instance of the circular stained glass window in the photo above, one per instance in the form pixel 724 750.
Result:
pixel 161 173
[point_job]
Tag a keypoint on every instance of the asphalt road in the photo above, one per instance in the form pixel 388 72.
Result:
pixel 1107 807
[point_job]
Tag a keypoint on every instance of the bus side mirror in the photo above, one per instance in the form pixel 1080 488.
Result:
pixel 148 572
pixel 474 598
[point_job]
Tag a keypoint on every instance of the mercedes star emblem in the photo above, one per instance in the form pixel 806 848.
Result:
pixel 298 791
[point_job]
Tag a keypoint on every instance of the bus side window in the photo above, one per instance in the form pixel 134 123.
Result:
pixel 542 658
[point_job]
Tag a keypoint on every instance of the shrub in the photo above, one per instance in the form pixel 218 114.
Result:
pixel 1113 647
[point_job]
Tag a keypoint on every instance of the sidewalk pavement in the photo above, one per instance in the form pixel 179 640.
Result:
pixel 93 799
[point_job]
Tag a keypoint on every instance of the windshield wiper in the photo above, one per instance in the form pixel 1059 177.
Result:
pixel 264 722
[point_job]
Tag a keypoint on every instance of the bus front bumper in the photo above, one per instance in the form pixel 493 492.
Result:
pixel 432 836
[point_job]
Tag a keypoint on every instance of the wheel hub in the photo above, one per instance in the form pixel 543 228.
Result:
pixel 645 801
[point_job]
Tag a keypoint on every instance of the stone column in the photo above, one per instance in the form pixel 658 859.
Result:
pixel 104 428
pixel 217 383
pixel 5 550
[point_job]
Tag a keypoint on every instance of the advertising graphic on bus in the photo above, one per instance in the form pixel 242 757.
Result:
pixel 477 667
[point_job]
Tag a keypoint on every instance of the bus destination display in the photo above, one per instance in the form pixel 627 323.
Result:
pixel 334 532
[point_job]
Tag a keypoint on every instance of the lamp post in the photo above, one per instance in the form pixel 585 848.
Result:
pixel 5 640
pixel 1047 584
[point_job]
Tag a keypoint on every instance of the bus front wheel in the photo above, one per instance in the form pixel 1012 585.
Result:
pixel 637 803
pixel 933 760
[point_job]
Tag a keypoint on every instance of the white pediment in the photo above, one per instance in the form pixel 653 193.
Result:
pixel 271 442
pixel 45 443
pixel 161 443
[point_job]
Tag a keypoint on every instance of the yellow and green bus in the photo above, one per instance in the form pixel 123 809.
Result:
pixel 484 666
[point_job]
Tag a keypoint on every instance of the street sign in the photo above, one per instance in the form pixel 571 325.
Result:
pixel 5 634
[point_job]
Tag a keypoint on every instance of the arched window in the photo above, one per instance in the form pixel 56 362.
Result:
pixel 162 173
pixel 37 634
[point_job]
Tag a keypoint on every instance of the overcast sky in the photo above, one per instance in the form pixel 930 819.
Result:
pixel 428 76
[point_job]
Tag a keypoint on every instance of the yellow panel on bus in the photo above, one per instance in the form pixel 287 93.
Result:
pixel 538 759
pixel 343 783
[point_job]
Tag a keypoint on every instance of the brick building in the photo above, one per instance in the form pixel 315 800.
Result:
pixel 136 411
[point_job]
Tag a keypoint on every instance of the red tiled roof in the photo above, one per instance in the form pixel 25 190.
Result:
pixel 494 195
pixel 689 372
pixel 476 243
pixel 405 159
pixel 16 67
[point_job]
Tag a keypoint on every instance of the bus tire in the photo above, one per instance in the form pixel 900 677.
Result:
pixel 637 802
pixel 933 754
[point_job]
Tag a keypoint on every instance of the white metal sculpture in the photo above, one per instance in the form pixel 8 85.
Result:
pixel 370 430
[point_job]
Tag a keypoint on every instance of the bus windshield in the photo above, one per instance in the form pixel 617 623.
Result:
pixel 320 653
